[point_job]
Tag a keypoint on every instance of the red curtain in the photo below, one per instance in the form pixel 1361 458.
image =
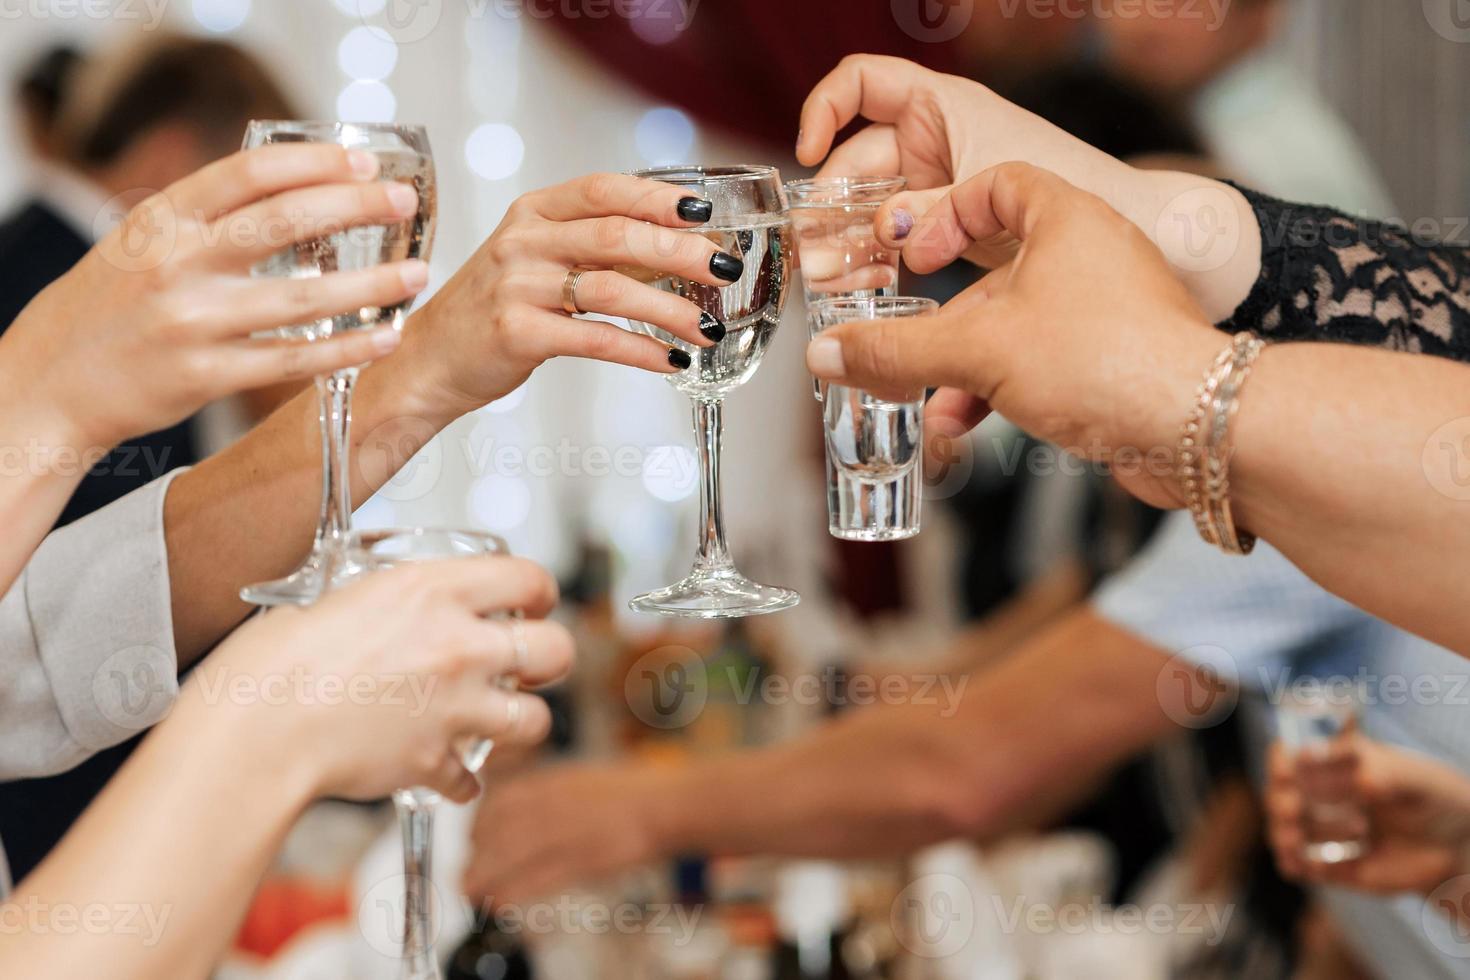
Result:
pixel 744 65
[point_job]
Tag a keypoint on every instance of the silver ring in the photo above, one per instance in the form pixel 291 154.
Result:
pixel 521 648
pixel 569 290
pixel 512 712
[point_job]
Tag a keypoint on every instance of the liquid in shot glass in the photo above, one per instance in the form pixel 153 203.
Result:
pixel 1319 726
pixel 875 472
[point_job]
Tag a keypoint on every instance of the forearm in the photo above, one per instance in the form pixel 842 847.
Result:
pixel 169 855
pixel 250 513
pixel 892 778
pixel 1353 463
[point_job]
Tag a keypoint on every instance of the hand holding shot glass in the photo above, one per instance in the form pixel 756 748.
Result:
pixel 1318 723
pixel 875 475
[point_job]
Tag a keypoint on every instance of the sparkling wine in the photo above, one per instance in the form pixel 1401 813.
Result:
pixel 750 307
pixel 367 246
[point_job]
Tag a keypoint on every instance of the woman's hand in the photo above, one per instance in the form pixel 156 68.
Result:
pixel 501 316
pixel 369 690
pixel 938 130
pixel 1419 818
pixel 1085 338
pixel 156 321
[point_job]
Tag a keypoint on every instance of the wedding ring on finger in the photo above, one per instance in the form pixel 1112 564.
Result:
pixel 520 646
pixel 569 290
pixel 512 712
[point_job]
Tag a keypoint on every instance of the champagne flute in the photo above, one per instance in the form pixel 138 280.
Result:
pixel 368 552
pixel 750 222
pixel 403 155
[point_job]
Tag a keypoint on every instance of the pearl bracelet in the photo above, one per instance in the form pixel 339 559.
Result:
pixel 1205 446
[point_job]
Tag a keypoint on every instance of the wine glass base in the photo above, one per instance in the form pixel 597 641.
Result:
pixel 726 595
pixel 301 588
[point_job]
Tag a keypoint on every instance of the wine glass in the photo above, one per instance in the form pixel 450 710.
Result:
pixel 749 222
pixel 365 553
pixel 403 155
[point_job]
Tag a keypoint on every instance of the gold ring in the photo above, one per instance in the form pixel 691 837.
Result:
pixel 569 291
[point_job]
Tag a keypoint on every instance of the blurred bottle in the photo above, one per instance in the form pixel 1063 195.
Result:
pixel 813 918
pixel 490 954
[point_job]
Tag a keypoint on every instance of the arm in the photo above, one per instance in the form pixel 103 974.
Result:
pixel 1001 758
pixel 237 769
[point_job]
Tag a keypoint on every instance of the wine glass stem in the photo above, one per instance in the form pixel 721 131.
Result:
pixel 709 432
pixel 416 821
pixel 336 521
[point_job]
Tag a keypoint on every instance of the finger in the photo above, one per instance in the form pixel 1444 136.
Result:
pixel 876 87
pixel 481 584
pixel 898 217
pixel 250 175
pixel 250 364
pixel 260 230
pixel 547 655
pixel 619 241
pixel 453 781
pixel 607 195
pixel 614 294
pixel 898 359
pixel 268 304
pixel 508 717
pixel 874 150
pixel 949 415
pixel 551 336
pixel 1005 202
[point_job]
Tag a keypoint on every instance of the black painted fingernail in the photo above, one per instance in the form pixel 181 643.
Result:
pixel 726 266
pixel 696 209
pixel 678 358
pixel 711 327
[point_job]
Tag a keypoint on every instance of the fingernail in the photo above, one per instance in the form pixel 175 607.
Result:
pixel 903 223
pixel 711 327
pixel 696 209
pixel 363 163
pixel 726 266
pixel 679 359
pixel 824 358
pixel 386 340
pixel 415 275
pixel 404 198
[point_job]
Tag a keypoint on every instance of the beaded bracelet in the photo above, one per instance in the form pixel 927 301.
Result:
pixel 1205 446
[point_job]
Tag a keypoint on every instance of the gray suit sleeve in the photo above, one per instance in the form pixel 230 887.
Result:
pixel 86 639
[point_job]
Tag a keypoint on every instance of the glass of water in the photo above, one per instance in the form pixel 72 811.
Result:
pixel 749 222
pixel 372 551
pixel 875 473
pixel 403 155
pixel 837 247
pixel 1318 722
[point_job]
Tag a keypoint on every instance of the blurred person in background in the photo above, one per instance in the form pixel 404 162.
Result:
pixel 1261 118
pixel 39 93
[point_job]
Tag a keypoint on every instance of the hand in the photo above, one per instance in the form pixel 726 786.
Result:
pixel 1085 338
pixel 155 322
pixel 376 682
pixel 937 130
pixel 501 315
pixel 540 832
pixel 1418 814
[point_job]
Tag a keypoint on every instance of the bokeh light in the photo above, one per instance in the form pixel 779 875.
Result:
pixel 494 151
pixel 664 136
pixel 367 55
pixel 221 16
pixel 500 503
pixel 367 102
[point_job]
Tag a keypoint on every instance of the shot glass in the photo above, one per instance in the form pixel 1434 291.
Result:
pixel 1318 722
pixel 875 471
pixel 837 248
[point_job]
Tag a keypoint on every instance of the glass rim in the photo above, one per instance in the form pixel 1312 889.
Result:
pixel 858 183
pixel 692 172
pixel 897 304
pixel 361 542
pixel 321 124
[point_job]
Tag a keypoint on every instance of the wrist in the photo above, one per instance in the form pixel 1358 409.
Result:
pixel 38 407
pixel 669 798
